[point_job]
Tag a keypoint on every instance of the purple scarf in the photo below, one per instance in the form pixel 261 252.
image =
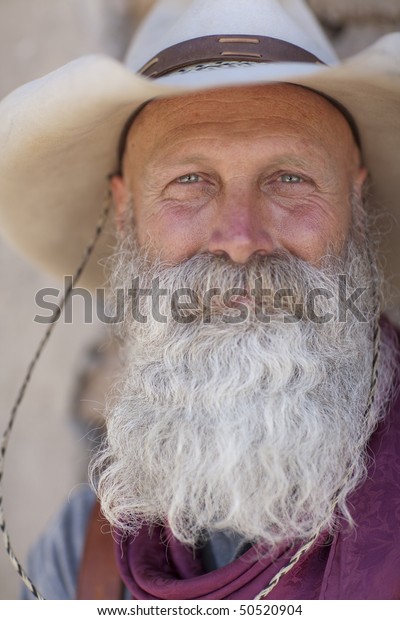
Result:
pixel 363 563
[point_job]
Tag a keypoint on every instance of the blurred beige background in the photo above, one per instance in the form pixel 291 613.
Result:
pixel 48 453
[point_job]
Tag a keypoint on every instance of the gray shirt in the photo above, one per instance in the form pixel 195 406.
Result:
pixel 54 561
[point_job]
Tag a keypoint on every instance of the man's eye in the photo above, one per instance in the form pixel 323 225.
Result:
pixel 291 178
pixel 189 178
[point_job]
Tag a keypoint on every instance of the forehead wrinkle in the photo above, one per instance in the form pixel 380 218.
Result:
pixel 274 127
pixel 199 150
pixel 307 104
pixel 211 129
pixel 264 96
pixel 191 116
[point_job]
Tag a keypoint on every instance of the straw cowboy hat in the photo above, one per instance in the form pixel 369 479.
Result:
pixel 59 134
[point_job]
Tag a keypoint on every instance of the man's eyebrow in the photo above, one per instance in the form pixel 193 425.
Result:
pixel 173 161
pixel 311 162
pixel 295 160
pixel 283 159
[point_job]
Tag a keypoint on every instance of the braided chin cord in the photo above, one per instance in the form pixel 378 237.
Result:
pixel 6 435
pixel 376 341
pixel 309 544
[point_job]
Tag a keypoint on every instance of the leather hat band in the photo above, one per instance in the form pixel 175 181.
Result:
pixel 222 48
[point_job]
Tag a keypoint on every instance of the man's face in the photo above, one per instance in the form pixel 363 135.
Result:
pixel 251 427
pixel 239 173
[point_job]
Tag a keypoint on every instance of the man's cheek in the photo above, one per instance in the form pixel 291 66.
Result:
pixel 173 236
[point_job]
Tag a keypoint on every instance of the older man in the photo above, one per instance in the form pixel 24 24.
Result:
pixel 247 431
pixel 252 443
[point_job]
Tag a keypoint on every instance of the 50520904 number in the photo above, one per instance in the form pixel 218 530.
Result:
pixel 270 610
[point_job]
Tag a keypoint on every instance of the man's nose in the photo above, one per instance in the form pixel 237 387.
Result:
pixel 240 229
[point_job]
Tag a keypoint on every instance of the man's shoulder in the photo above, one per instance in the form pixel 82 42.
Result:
pixel 54 560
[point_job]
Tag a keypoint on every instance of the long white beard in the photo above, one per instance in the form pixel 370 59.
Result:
pixel 252 428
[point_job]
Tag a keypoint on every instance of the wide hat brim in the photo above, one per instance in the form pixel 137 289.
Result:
pixel 59 138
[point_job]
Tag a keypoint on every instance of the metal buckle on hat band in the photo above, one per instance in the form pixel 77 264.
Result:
pixel 224 48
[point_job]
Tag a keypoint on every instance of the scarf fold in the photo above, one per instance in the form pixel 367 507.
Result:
pixel 156 570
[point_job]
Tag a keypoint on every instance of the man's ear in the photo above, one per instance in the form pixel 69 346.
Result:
pixel 361 179
pixel 358 192
pixel 120 193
